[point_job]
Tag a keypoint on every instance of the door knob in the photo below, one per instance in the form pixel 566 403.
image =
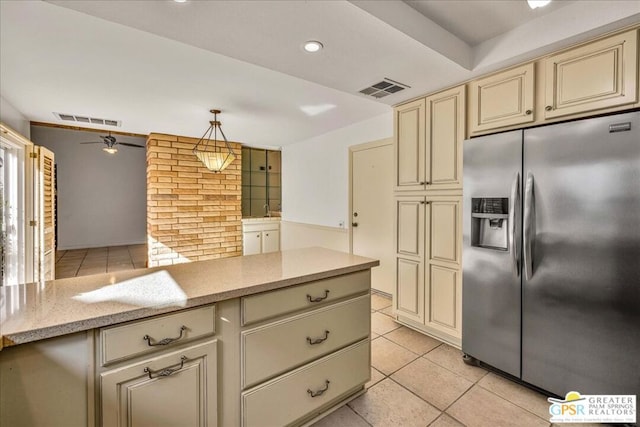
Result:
pixel 354 224
pixel 355 214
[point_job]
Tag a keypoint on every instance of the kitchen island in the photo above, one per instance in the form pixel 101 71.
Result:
pixel 209 342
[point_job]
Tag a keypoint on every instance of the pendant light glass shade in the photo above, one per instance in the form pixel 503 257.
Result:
pixel 215 155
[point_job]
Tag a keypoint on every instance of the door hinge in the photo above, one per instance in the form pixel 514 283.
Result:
pixel 33 155
pixel 33 223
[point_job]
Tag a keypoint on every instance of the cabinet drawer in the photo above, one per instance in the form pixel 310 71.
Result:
pixel 176 389
pixel 336 374
pixel 272 349
pixel 125 341
pixel 276 303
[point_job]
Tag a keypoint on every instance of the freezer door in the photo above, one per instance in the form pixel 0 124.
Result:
pixel 581 290
pixel 491 250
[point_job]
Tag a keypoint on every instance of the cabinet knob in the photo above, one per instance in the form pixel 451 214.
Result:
pixel 528 112
pixel 423 182
pixel 548 108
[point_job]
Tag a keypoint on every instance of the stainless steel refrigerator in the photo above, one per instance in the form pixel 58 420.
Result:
pixel 551 255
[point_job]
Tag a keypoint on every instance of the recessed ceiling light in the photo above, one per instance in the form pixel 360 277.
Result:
pixel 313 46
pixel 180 1
pixel 534 4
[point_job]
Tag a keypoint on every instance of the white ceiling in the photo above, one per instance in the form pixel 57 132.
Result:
pixel 159 66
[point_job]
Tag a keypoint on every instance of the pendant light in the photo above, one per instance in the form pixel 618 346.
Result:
pixel 215 155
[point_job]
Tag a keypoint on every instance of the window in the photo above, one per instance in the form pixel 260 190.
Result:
pixel 261 182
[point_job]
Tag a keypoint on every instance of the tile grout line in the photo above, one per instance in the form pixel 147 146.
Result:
pixel 507 400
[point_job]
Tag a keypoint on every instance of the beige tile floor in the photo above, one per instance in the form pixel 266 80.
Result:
pixel 419 381
pixel 82 262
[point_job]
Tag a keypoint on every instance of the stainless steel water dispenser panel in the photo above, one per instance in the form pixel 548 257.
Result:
pixel 490 222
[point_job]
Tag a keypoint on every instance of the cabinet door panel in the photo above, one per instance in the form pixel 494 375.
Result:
pixel 409 297
pixel 503 99
pixel 444 299
pixel 185 397
pixel 409 124
pixel 251 243
pixel 270 241
pixel 445 132
pixel 445 231
pixel 410 226
pixel 599 75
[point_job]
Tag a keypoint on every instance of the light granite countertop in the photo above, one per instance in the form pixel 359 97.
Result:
pixel 38 311
pixel 261 219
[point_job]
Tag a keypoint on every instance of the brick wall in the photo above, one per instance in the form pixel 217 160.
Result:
pixel 192 213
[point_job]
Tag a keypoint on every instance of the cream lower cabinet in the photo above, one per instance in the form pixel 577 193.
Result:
pixel 172 389
pixel 311 353
pixel 160 371
pixel 598 75
pixel 428 292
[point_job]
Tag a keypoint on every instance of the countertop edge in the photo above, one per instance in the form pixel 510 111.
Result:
pixel 33 335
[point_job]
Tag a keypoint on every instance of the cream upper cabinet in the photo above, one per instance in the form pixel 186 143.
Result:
pixel 409 133
pixel 428 293
pixel 502 99
pixel 599 75
pixel 429 134
pixel 445 132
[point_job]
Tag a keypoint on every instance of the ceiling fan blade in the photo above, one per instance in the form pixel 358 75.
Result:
pixel 131 145
pixel 92 142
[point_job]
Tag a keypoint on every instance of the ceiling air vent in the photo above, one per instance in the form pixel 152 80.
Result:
pixel 384 88
pixel 85 119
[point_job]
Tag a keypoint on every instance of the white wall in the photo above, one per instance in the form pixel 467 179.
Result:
pixel 14 118
pixel 315 172
pixel 102 198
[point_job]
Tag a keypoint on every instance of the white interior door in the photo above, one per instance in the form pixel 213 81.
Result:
pixel 372 209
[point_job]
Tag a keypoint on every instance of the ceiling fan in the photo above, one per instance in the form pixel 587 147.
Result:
pixel 110 143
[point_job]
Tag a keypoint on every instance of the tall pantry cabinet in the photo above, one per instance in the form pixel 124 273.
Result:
pixel 428 134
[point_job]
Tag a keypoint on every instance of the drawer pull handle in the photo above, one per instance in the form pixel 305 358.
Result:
pixel 318 299
pixel 319 392
pixel 318 340
pixel 166 372
pixel 164 341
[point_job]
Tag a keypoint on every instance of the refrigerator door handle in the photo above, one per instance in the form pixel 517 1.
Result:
pixel 514 213
pixel 529 223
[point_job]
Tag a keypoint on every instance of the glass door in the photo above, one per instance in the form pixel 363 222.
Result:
pixel 12 214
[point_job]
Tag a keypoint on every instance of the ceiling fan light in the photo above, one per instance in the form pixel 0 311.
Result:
pixel 534 4
pixel 110 150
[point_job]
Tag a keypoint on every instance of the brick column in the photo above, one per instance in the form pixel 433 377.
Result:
pixel 192 213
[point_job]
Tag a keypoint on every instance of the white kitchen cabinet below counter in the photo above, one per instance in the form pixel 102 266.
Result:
pixel 260 235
